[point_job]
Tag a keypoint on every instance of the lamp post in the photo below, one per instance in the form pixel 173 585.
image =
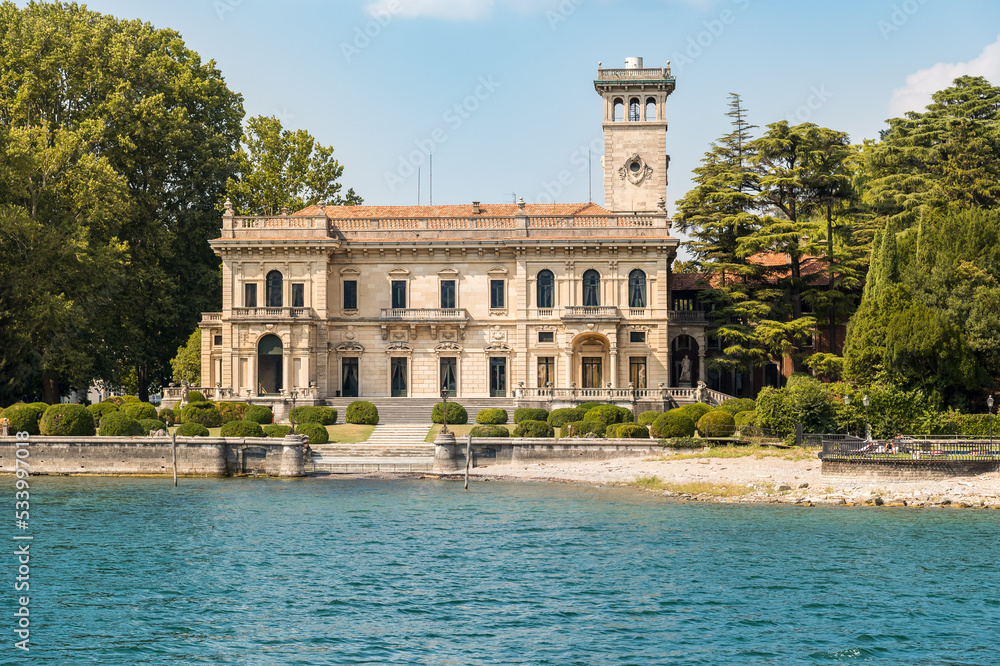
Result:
pixel 847 403
pixel 291 414
pixel 635 413
pixel 868 426
pixel 989 405
pixel 444 427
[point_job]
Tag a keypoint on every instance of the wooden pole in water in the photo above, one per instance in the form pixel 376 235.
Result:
pixel 468 459
pixel 173 447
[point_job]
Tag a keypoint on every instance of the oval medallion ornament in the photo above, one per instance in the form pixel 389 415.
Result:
pixel 635 170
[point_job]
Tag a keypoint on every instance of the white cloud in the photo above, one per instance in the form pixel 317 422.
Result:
pixel 916 94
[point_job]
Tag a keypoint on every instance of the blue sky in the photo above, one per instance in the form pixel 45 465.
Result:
pixel 380 79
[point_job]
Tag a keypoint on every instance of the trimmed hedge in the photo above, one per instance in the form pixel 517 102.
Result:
pixel 496 416
pixel 682 443
pixel 696 411
pixel 192 430
pixel 562 417
pixel 139 410
pixel 489 431
pixel 456 415
pixel 605 415
pixel 67 421
pixel 275 430
pixel 745 418
pixel 316 433
pixel 310 414
pixel 196 396
pixel 23 418
pixel 717 424
pixel 579 428
pixel 534 429
pixel 99 409
pixel 167 416
pixel 120 424
pixel 149 425
pixel 631 431
pixel 675 423
pixel 259 414
pixel 231 411
pixel 116 400
pixel 530 414
pixel 362 412
pixel 587 406
pixel 736 405
pixel 204 413
pixel 241 428
pixel 648 418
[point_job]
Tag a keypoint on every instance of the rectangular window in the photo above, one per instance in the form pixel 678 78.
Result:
pixel 350 294
pixel 249 295
pixel 447 294
pixel 449 375
pixel 546 336
pixel 637 372
pixel 217 340
pixel 498 377
pixel 637 336
pixel 497 294
pixel 298 295
pixel 349 377
pixel 398 294
pixel 591 373
pixel 546 371
pixel 683 304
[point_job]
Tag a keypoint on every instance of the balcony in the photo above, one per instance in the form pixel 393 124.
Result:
pixel 591 313
pixel 424 315
pixel 695 317
pixel 272 314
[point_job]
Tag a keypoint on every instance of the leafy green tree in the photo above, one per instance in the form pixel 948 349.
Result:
pixel 187 364
pixel 280 168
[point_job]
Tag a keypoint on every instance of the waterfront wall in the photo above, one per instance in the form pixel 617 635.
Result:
pixel 905 470
pixel 196 456
pixel 503 450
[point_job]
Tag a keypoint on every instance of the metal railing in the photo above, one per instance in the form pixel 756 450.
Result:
pixel 907 448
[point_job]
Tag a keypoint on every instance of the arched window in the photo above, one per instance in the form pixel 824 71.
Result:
pixel 618 114
pixel 637 289
pixel 633 110
pixel 591 288
pixel 546 289
pixel 650 109
pixel 273 288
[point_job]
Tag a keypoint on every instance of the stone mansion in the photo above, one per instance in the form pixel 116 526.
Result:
pixel 516 301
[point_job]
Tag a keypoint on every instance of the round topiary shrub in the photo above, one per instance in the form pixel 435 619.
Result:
pixel 23 418
pixel 746 418
pixel 149 425
pixel 275 430
pixel 631 431
pixel 587 406
pixel 204 413
pixel 579 428
pixel 99 409
pixel 489 431
pixel 604 415
pixel 530 414
pixel 717 424
pixel 534 429
pixel 192 430
pixel 736 405
pixel 231 411
pixel 648 418
pixel 675 423
pixel 119 424
pixel 259 414
pixel 696 411
pixel 167 416
pixel 316 433
pixel 129 399
pixel 116 400
pixel 362 412
pixel 611 431
pixel 309 414
pixel 40 406
pixel 139 410
pixel 561 417
pixel 456 414
pixel 196 396
pixel 241 428
pixel 497 416
pixel 67 421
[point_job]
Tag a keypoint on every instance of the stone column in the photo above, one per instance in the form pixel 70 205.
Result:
pixel 292 457
pixel 613 375
pixel 568 369
pixel 670 369
pixel 701 365
pixel 286 370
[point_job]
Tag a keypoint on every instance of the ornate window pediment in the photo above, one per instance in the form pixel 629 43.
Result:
pixel 448 272
pixel 350 272
pixel 498 270
pixel 399 349
pixel 350 347
pixel 399 273
pixel 497 348
pixel 448 348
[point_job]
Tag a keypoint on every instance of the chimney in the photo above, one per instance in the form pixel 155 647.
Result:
pixel 475 208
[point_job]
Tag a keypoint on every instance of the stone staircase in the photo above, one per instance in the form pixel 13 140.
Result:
pixel 418 410
pixel 390 448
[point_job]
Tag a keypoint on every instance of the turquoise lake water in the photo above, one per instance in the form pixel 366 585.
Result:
pixel 319 571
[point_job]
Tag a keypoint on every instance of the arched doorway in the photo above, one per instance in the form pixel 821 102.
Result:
pixel 684 371
pixel 269 365
pixel 592 361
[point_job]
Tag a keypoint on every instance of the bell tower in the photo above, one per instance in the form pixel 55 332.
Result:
pixel 635 136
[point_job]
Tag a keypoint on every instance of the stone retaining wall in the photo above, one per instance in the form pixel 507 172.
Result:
pixel 503 450
pixel 196 456
pixel 905 470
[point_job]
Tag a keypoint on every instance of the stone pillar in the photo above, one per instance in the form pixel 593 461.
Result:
pixel 292 457
pixel 670 369
pixel 445 455
pixel 701 364
pixel 568 369
pixel 613 374
pixel 286 371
